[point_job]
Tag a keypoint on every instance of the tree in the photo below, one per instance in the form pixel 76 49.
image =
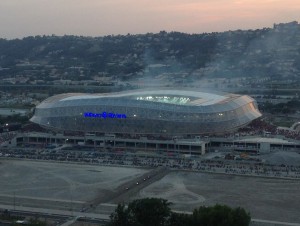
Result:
pixel 180 219
pixel 220 215
pixel 36 222
pixel 142 212
pixel 156 212
pixel 149 212
pixel 240 217
pixel 120 216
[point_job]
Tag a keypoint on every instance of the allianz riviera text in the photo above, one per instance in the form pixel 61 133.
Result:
pixel 104 115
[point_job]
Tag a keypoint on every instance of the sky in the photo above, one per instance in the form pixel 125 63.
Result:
pixel 21 18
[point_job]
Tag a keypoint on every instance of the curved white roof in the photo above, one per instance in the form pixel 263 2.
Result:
pixel 192 98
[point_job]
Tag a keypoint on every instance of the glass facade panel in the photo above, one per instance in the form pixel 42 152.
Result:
pixel 139 116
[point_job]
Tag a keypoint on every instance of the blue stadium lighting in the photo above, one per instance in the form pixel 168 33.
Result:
pixel 103 115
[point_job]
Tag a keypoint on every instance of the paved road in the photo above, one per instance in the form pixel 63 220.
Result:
pixel 268 222
pixel 130 188
pixel 52 212
pixel 144 181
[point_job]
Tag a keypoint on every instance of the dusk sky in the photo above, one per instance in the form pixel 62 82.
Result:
pixel 20 18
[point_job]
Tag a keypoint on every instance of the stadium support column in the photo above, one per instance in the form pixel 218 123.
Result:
pixel 203 148
pixel 14 141
pixel 265 147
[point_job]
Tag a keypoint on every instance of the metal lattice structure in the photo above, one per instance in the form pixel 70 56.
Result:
pixel 162 111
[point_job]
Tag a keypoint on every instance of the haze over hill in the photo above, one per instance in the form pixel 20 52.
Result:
pixel 269 54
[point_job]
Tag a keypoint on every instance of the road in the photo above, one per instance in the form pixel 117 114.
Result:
pixel 130 188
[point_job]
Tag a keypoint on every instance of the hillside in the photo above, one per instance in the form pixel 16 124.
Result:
pixel 270 54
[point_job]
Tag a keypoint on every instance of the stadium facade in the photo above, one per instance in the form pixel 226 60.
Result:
pixel 155 111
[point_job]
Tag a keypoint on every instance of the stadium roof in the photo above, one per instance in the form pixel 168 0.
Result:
pixel 169 96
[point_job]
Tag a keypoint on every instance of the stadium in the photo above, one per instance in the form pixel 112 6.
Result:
pixel 154 111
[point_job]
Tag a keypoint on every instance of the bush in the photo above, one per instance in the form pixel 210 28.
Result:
pixel 156 212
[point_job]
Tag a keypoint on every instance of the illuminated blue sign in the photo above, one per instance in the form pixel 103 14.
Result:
pixel 103 115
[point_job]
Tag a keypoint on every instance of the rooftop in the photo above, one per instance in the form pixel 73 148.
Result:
pixel 168 96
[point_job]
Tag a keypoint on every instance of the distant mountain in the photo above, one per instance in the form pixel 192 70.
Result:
pixel 263 53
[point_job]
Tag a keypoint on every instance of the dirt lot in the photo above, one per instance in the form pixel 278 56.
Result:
pixel 271 199
pixel 58 184
pixel 75 186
